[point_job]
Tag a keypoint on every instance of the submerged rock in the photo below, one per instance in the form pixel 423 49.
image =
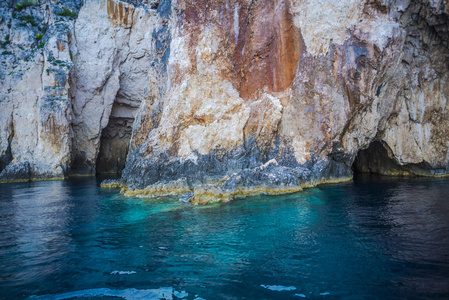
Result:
pixel 221 99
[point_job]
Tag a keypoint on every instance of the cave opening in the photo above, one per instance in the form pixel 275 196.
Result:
pixel 115 139
pixel 6 158
pixel 377 159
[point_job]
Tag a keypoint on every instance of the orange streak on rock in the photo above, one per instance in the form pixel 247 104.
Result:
pixel 268 50
pixel 262 52
pixel 120 13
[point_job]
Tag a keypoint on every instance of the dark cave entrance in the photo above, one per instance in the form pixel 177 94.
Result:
pixel 114 142
pixel 377 159
pixel 5 158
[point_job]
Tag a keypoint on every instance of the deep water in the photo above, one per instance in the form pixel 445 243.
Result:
pixel 368 239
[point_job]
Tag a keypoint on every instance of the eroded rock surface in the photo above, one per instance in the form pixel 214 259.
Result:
pixel 218 99
pixel 72 73
pixel 36 110
pixel 274 95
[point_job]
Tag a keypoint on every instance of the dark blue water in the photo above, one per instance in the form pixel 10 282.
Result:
pixel 368 239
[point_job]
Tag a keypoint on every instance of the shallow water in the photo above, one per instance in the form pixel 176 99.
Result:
pixel 368 239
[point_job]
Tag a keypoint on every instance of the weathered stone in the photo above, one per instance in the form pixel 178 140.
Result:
pixel 63 77
pixel 223 99
pixel 16 172
pixel 112 55
pixel 306 84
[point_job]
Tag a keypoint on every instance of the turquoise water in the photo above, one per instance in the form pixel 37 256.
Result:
pixel 368 239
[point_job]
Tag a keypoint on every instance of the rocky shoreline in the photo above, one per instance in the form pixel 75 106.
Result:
pixel 221 99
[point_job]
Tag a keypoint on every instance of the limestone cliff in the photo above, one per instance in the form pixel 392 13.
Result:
pixel 73 74
pixel 222 98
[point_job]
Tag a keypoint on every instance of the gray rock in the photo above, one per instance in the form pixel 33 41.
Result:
pixel 19 171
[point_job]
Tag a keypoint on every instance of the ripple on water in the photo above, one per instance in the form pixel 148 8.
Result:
pixel 278 288
pixel 128 294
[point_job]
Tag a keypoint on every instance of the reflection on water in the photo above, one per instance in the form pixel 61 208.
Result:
pixel 374 238
pixel 35 230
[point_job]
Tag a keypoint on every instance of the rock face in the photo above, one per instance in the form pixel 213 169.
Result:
pixel 36 110
pixel 273 95
pixel 73 74
pixel 111 57
pixel 218 99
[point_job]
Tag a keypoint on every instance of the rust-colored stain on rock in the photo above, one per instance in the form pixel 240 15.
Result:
pixel 60 45
pixel 52 131
pixel 120 13
pixel 269 48
pixel 259 41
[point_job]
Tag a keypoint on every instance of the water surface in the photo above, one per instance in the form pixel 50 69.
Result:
pixel 368 239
